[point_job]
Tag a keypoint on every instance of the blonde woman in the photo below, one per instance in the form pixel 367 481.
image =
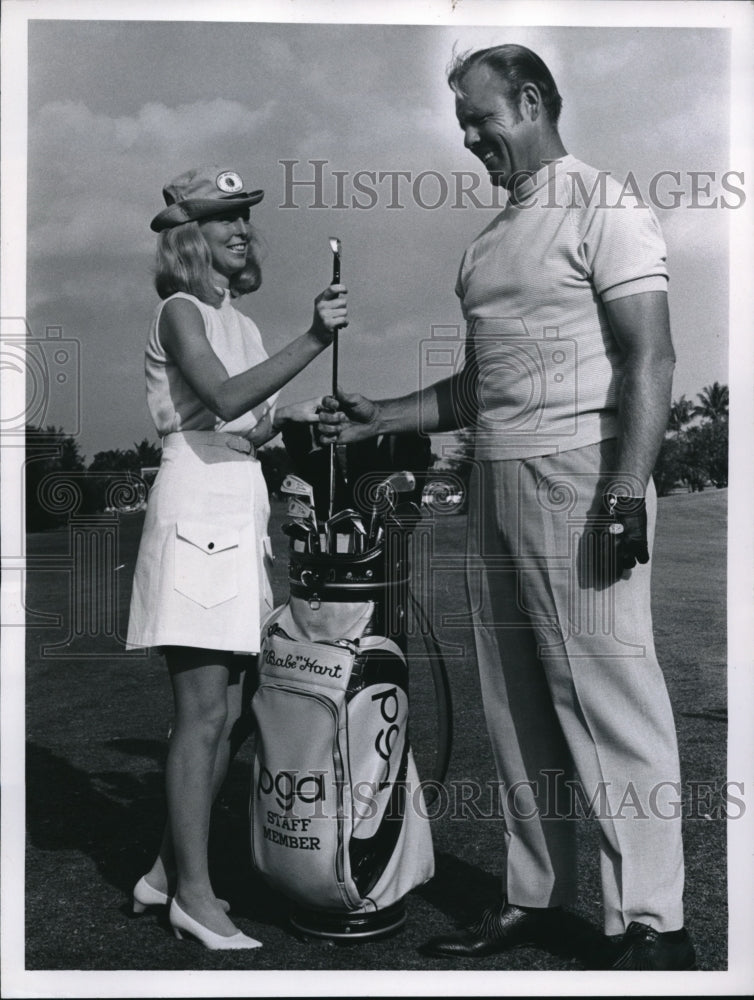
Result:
pixel 201 583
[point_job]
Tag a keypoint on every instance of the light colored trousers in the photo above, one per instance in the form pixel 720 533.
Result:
pixel 572 691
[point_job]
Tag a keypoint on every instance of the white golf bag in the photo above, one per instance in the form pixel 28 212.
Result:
pixel 338 819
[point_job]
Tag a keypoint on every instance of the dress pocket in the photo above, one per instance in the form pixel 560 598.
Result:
pixel 206 562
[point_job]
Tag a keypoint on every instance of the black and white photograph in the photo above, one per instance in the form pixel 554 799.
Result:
pixel 377 550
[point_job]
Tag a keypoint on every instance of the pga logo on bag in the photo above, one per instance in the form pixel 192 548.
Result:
pixel 289 788
pixel 387 738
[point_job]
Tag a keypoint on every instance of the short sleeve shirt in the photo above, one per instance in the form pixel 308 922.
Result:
pixel 532 287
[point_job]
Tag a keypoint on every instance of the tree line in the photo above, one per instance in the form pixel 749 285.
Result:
pixel 693 457
pixel 59 482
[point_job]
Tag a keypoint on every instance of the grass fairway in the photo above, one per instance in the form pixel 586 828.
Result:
pixel 97 724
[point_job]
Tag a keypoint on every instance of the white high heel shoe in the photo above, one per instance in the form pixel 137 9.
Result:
pixel 180 921
pixel 146 895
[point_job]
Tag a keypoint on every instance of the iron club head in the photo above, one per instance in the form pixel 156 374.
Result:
pixel 302 534
pixel 297 487
pixel 388 490
pixel 302 510
pixel 350 520
pixel 399 482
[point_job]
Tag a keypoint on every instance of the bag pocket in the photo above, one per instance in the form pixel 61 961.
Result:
pixel 206 562
pixel 300 822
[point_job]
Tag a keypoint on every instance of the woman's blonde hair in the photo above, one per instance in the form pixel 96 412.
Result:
pixel 184 264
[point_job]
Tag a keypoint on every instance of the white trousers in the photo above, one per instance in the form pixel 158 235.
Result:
pixel 573 693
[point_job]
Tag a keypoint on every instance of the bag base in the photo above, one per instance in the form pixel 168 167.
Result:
pixel 345 927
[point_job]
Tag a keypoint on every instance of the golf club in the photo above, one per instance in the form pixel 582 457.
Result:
pixel 305 513
pixel 302 534
pixel 389 489
pixel 408 510
pixel 298 487
pixel 335 247
pixel 355 534
pixel 300 509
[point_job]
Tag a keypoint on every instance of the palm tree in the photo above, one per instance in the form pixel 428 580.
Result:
pixel 681 413
pixel 713 402
pixel 146 454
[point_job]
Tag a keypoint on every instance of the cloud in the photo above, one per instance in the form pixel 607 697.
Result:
pixel 94 178
pixel 694 231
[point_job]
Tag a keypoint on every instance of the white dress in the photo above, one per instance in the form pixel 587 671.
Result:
pixel 202 576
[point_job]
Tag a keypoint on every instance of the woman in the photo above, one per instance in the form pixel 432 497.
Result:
pixel 201 583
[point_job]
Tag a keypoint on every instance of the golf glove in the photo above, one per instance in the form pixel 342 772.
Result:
pixel 629 530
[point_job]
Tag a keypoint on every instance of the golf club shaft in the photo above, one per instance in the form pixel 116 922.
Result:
pixel 335 280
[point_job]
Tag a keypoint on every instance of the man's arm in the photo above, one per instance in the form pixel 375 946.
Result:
pixel 443 406
pixel 641 326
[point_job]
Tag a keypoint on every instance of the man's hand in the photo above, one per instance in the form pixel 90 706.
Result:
pixel 615 545
pixel 630 530
pixel 346 418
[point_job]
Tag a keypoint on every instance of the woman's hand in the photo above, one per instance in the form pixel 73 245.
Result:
pixel 330 313
pixel 183 335
pixel 304 412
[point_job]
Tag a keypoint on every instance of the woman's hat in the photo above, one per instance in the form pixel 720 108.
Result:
pixel 201 193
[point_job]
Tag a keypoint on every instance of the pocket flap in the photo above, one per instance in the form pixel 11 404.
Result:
pixel 207 537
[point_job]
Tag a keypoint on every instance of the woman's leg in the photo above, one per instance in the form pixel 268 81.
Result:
pixel 237 728
pixel 200 680
pixel 238 720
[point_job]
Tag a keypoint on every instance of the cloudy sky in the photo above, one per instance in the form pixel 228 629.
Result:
pixel 116 108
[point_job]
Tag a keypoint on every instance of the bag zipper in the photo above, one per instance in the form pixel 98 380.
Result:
pixel 339 772
pixel 347 644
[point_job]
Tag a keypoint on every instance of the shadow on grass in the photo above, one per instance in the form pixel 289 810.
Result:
pixel 461 891
pixel 116 818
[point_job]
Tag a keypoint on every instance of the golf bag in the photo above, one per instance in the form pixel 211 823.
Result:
pixel 339 824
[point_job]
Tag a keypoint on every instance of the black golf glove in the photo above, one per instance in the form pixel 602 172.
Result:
pixel 629 530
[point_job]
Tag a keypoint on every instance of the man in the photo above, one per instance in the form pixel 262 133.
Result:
pixel 567 382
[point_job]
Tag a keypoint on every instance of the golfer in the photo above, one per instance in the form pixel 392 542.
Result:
pixel 567 383
pixel 202 581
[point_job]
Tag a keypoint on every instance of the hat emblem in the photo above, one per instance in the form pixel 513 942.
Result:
pixel 229 182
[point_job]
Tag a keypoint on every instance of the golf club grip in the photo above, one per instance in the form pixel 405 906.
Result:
pixel 335 363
